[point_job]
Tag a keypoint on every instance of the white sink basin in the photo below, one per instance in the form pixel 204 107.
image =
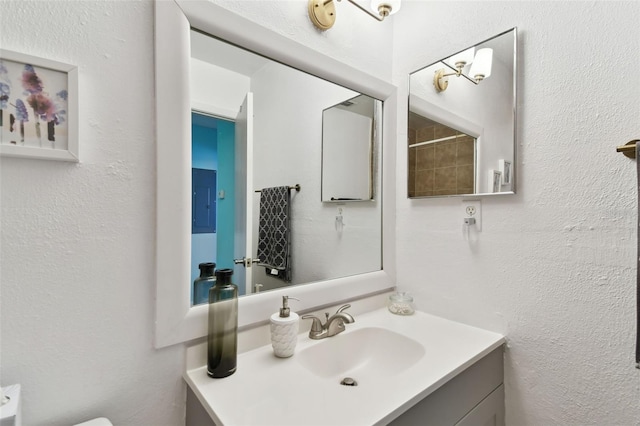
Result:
pixel 396 360
pixel 363 354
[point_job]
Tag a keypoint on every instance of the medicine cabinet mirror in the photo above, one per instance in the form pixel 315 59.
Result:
pixel 462 122
pixel 348 140
pixel 290 86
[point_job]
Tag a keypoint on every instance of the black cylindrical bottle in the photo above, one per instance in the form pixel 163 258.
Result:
pixel 223 326
pixel 203 283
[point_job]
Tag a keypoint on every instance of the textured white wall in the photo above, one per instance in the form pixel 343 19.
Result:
pixel 355 39
pixel 554 266
pixel 77 259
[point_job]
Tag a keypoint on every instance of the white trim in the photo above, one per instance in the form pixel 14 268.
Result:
pixel 211 109
pixel 443 116
pixel 176 320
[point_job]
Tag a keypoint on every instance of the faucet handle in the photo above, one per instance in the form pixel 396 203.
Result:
pixel 343 307
pixel 316 326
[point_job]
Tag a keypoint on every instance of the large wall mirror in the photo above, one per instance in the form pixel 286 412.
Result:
pixel 296 128
pixel 260 96
pixel 462 122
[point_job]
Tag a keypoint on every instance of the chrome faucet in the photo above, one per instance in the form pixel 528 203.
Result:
pixel 333 325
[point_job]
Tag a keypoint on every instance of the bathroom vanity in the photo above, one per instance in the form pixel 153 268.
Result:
pixel 417 369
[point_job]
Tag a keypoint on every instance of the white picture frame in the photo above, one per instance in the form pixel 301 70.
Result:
pixel 495 179
pixel 38 108
pixel 505 168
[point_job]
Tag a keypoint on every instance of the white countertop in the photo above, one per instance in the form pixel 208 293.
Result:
pixel 266 390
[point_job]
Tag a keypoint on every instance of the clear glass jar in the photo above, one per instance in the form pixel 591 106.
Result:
pixel 401 303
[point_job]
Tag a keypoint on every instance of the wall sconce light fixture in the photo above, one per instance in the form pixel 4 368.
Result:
pixel 323 12
pixel 480 67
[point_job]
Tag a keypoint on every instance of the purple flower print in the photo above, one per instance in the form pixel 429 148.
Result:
pixel 21 111
pixel 59 119
pixel 4 95
pixel 61 102
pixel 5 91
pixel 4 98
pixel 42 106
pixel 22 115
pixel 30 80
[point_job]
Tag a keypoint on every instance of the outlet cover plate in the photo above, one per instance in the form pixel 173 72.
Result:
pixel 473 208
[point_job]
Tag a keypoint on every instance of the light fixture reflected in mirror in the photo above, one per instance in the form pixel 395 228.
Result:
pixel 323 12
pixel 480 67
pixel 462 59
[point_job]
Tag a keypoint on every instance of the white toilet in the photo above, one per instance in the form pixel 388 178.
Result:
pixel 100 421
pixel 10 406
pixel 11 409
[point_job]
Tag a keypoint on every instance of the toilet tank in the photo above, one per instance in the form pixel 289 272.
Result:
pixel 11 408
pixel 100 421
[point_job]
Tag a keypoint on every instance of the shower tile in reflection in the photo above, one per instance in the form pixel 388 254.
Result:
pixel 464 177
pixel 425 134
pixel 425 157
pixel 424 180
pixel 445 154
pixel 445 179
pixel 465 146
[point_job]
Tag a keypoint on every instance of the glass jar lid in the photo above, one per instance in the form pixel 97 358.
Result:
pixel 401 296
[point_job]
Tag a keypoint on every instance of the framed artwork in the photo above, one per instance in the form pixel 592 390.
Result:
pixel 505 168
pixel 38 108
pixel 495 179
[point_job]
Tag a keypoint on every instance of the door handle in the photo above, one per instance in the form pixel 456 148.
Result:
pixel 246 261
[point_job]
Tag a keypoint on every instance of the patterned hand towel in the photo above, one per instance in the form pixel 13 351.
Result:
pixel 274 234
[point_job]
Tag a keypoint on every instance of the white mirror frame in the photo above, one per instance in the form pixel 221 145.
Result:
pixel 176 320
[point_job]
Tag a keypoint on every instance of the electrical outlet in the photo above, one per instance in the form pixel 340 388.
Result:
pixel 473 209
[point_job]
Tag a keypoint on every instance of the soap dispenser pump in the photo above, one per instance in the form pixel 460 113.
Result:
pixel 284 330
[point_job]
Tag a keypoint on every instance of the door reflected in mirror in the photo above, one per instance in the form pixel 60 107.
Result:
pixel 462 122
pixel 259 125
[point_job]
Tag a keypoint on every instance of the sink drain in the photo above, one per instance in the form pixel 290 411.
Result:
pixel 348 381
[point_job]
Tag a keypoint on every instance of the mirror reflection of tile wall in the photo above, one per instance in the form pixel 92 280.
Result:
pixel 441 161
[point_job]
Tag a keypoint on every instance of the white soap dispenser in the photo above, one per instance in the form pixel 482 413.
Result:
pixel 284 330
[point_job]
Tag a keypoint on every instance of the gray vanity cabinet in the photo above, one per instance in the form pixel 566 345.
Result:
pixel 474 397
pixel 490 412
pixel 196 415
